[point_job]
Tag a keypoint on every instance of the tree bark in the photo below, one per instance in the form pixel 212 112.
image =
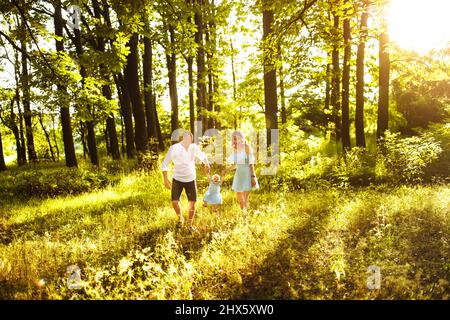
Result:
pixel 359 112
pixel 148 90
pixel 69 148
pixel 132 80
pixel 201 70
pixel 91 143
pixel 383 85
pixel 47 137
pixel 2 156
pixel 23 151
pixel 125 108
pixel 270 77
pixel 106 89
pixel 335 84
pixel 171 59
pixel 26 99
pixel 346 85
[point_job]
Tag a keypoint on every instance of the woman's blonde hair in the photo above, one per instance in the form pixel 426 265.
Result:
pixel 240 135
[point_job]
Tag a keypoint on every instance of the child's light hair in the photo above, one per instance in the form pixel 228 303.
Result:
pixel 216 175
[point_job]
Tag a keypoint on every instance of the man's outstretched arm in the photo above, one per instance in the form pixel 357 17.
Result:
pixel 165 168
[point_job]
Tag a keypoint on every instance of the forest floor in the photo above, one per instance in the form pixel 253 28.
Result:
pixel 289 245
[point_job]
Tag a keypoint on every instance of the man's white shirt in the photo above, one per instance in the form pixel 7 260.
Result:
pixel 183 160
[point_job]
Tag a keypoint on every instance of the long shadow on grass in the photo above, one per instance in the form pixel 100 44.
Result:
pixel 58 218
pixel 274 277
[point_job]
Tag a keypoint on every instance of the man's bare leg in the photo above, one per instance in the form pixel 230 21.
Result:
pixel 177 208
pixel 191 212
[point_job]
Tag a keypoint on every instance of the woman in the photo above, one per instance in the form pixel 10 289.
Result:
pixel 244 177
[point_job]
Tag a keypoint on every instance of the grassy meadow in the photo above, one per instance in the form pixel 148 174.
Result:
pixel 310 243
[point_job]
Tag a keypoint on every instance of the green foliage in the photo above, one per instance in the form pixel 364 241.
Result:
pixel 405 160
pixel 50 182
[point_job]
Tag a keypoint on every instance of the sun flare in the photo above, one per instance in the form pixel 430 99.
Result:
pixel 419 25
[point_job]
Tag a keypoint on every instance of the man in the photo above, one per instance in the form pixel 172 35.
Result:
pixel 183 155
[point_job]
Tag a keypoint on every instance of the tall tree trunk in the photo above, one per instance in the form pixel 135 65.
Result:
pixel 148 90
pixel 328 94
pixel 233 73
pixel 335 87
pixel 270 76
pixel 282 93
pixel 158 127
pixel 125 108
pixel 132 79
pixel 201 70
pixel 346 85
pixel 2 156
pixel 383 86
pixel 106 89
pixel 54 137
pixel 209 59
pixel 359 112
pixel 171 59
pixel 91 142
pixel 26 99
pixel 47 138
pixel 190 62
pixel 69 148
pixel 82 131
pixel 23 151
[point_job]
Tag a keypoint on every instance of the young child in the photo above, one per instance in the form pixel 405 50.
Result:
pixel 213 196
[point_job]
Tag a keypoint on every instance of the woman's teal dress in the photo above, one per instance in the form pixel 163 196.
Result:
pixel 242 180
pixel 213 196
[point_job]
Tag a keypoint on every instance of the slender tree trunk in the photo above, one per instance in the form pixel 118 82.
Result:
pixel 233 73
pixel 270 78
pixel 346 145
pixel 359 112
pixel 2 156
pixel 335 86
pixel 26 100
pixel 190 62
pixel 148 90
pixel 82 131
pixel 171 59
pixel 91 142
pixel 125 107
pixel 201 70
pixel 327 94
pixel 383 87
pixel 282 93
pixel 23 151
pixel 158 127
pixel 106 89
pixel 47 137
pixel 69 148
pixel 54 137
pixel 209 59
pixel 132 79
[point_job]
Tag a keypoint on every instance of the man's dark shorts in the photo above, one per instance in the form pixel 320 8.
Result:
pixel 190 187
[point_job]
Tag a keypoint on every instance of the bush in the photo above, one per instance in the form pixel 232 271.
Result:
pixel 406 159
pixel 50 182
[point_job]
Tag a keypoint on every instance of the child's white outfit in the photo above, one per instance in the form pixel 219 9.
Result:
pixel 213 196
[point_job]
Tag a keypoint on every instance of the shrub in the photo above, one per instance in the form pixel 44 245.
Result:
pixel 406 159
pixel 51 182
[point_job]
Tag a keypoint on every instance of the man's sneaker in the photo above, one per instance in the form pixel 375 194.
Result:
pixel 192 229
pixel 178 225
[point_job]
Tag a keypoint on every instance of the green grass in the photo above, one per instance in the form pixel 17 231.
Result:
pixel 304 245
